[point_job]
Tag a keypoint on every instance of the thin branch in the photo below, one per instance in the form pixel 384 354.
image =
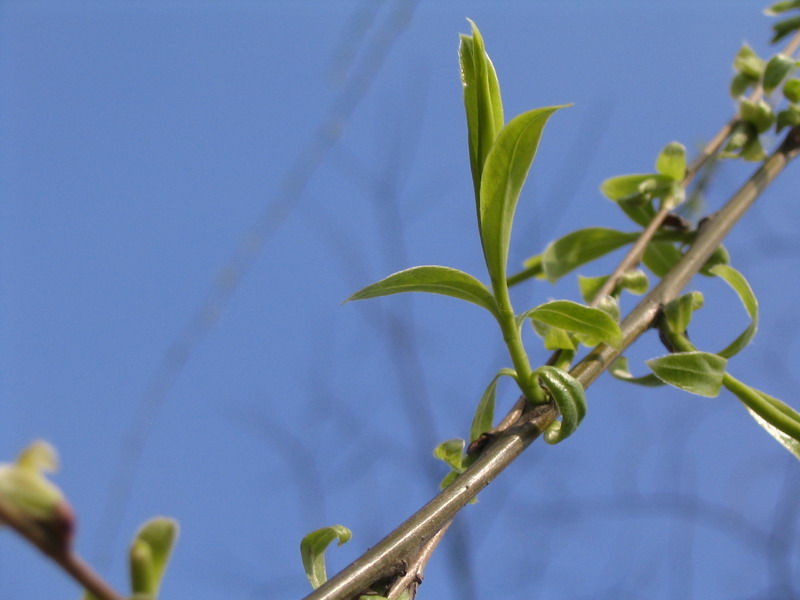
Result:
pixel 413 577
pixel 635 254
pixel 407 539
pixel 58 550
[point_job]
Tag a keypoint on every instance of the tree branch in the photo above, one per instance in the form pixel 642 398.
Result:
pixel 410 536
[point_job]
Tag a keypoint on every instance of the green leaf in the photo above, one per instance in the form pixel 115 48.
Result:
pixel 580 247
pixel 780 420
pixel 784 28
pixel 569 397
pixel 696 372
pixel 739 284
pixel 554 338
pixel 758 113
pixel 448 479
pixel 678 312
pixel 778 67
pixel 619 369
pixel 788 117
pixel 740 84
pixel 591 325
pixel 433 279
pixel 780 7
pixel 720 256
pixel 638 209
pixel 624 186
pixel 483 420
pixel 150 553
pixel 748 62
pixel 482 102
pixel 26 491
pixel 635 281
pixel 661 257
pixel 791 90
pixel 672 161
pixel 451 452
pixel 504 174
pixel 312 551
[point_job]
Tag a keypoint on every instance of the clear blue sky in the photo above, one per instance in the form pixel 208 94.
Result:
pixel 141 146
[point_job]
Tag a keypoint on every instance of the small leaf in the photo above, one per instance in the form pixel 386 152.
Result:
pixel 778 67
pixel 696 372
pixel 624 186
pixel 150 552
pixel 791 90
pixel 741 83
pixel 39 456
pixel 635 281
pixel 554 338
pixel 661 257
pixel 758 113
pixel 788 442
pixel 483 420
pixel 533 268
pixel 569 397
pixel 784 28
pixel 452 453
pixel 748 62
pixel 580 247
pixel 619 369
pixel 638 209
pixel 448 479
pixel 433 279
pixel 720 256
pixel 312 551
pixel 482 102
pixel 504 173
pixel 780 7
pixel 739 284
pixel 592 325
pixel 678 312
pixel 672 161
pixel 788 117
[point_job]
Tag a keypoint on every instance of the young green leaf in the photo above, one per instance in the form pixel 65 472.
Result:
pixel 788 117
pixel 758 113
pixel 482 101
pixel 580 247
pixel 312 551
pixel 569 397
pixel 720 256
pixel 554 338
pixel 788 442
pixel 740 83
pixel 772 411
pixel 635 281
pixel 739 284
pixel 452 453
pixel 504 173
pixel 778 67
pixel 483 420
pixel 638 209
pixel 672 161
pixel 619 369
pixel 748 62
pixel 784 28
pixel 696 372
pixel 433 279
pixel 781 6
pixel 625 186
pixel 149 554
pixel 660 257
pixel 591 325
pixel 791 90
pixel 678 312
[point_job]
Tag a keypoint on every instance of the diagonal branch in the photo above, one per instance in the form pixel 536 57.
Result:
pixel 407 539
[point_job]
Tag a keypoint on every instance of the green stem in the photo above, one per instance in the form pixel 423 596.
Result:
pixel 777 416
pixel 513 339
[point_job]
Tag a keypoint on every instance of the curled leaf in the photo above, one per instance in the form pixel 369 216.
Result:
pixel 149 554
pixel 619 369
pixel 312 551
pixel 569 397
pixel 672 161
pixel 739 284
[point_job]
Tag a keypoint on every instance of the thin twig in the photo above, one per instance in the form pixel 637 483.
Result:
pixel 413 577
pixel 405 540
pixel 635 254
pixel 60 553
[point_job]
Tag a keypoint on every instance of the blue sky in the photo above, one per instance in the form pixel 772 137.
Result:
pixel 256 163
